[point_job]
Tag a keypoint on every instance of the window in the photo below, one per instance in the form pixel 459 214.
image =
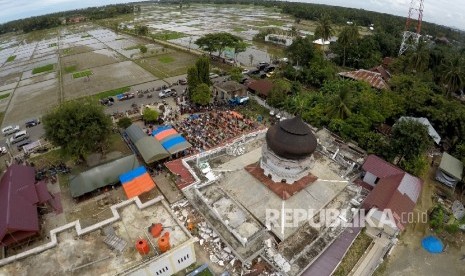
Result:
pixel 377 180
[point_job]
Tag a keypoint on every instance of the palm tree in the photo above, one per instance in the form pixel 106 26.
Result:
pixel 453 74
pixel 419 58
pixel 340 104
pixel 347 37
pixel 324 30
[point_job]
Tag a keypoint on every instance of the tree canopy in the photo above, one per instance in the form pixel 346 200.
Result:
pixel 201 94
pixel 217 42
pixel 79 127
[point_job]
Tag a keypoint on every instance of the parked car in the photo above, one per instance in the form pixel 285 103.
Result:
pixel 19 136
pixel 254 72
pixel 10 130
pixel 182 81
pixel 21 144
pixel 107 101
pixel 245 71
pixel 125 96
pixel 269 69
pixel 214 76
pixel 32 122
pixel 167 93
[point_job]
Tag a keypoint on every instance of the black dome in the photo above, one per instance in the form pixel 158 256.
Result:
pixel 291 139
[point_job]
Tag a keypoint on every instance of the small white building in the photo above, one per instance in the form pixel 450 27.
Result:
pixel 279 39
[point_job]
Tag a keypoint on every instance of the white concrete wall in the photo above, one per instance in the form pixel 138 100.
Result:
pixel 170 263
pixel 370 178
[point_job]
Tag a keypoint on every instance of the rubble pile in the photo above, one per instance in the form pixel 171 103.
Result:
pixel 275 258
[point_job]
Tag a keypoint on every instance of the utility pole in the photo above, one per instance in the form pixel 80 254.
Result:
pixel 411 37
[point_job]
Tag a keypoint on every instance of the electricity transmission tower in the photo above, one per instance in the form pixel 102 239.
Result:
pixel 411 37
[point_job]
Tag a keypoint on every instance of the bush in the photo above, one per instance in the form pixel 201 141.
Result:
pixel 124 122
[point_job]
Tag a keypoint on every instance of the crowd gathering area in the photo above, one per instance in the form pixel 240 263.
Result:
pixel 210 129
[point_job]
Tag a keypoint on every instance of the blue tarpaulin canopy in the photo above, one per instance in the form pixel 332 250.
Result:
pixel 432 244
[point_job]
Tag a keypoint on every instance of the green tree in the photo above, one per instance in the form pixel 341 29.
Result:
pixel 236 74
pixel 142 30
pixel 409 140
pixel 453 74
pixel 203 69
pixel 239 47
pixel 348 36
pixel 124 122
pixel 201 94
pixel 79 127
pixel 192 78
pixel 143 49
pixel 340 103
pixel 324 30
pixel 218 42
pixel 278 93
pixel 301 51
pixel 150 115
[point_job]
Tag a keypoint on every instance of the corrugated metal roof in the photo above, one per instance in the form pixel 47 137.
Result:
pixel 262 87
pixel 451 166
pixel 101 176
pixel 424 121
pixel 379 167
pixel 135 133
pixel 396 189
pixel 18 199
pixel 373 78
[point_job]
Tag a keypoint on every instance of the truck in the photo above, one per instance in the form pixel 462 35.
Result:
pixel 238 101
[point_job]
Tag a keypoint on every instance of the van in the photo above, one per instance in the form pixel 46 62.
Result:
pixel 19 136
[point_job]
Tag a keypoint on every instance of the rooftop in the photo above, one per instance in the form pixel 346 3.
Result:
pixel 373 78
pixel 82 250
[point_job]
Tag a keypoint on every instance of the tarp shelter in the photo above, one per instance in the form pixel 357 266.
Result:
pixel 450 170
pixel 424 121
pixel 150 149
pixel 101 176
pixel 432 245
pixel 170 139
pixel 19 197
pixel 136 182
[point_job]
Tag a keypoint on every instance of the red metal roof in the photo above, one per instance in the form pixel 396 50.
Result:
pixel 261 87
pixel 19 196
pixel 396 189
pixel 379 167
pixel 184 178
pixel 373 78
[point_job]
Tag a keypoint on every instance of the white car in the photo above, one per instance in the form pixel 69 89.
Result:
pixel 245 71
pixel 19 136
pixel 213 75
pixel 167 93
pixel 10 130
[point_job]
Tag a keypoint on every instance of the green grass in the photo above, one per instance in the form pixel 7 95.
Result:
pixel 352 256
pixel 82 74
pixel 238 29
pixel 167 35
pixel 4 96
pixel 166 59
pixel 111 93
pixel 45 68
pixel 70 69
pixel 67 51
pixel 11 58
pixel 2 115
pixel 52 45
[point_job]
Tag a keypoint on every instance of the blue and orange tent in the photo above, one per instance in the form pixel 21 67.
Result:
pixel 136 182
pixel 170 139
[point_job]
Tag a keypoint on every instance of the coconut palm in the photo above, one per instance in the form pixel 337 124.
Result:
pixel 324 30
pixel 347 37
pixel 453 74
pixel 340 104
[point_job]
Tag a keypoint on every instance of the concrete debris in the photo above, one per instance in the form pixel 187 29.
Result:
pixel 231 263
pixel 202 241
pixel 214 259
pixel 184 213
pixel 217 240
pixel 221 263
pixel 268 243
pixel 227 249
